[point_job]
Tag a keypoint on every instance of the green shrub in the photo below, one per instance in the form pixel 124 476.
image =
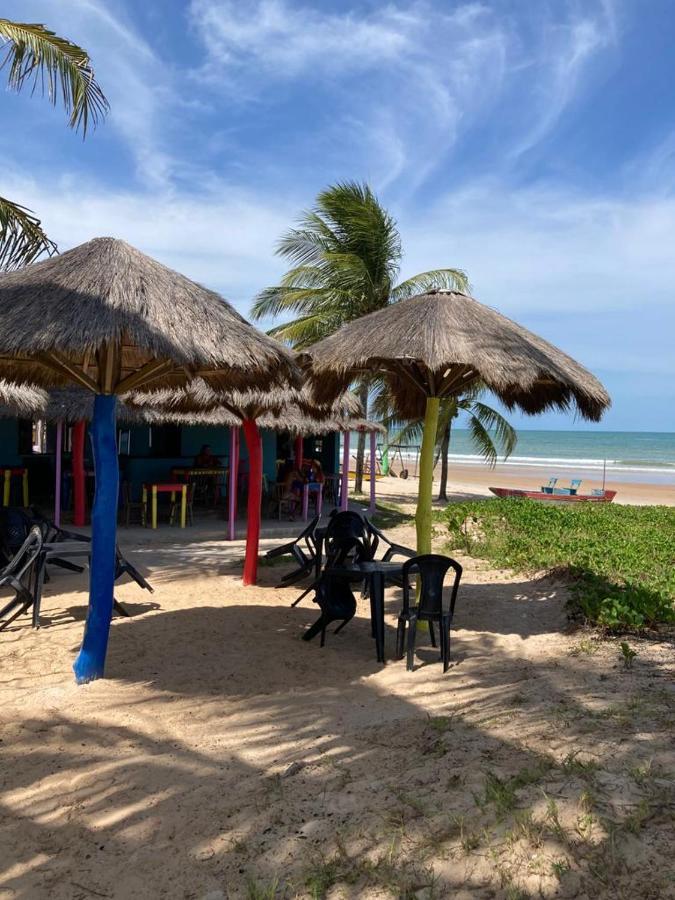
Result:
pixel 621 559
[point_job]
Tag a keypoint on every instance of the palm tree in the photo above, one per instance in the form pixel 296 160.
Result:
pixel 346 255
pixel 34 55
pixel 490 432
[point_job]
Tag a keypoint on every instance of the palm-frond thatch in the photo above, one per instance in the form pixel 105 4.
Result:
pixel 21 400
pixel 198 397
pixel 106 304
pixel 439 343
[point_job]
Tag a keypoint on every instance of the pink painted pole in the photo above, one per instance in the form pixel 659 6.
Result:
pixel 232 493
pixel 305 502
pixel 344 490
pixel 373 451
pixel 57 483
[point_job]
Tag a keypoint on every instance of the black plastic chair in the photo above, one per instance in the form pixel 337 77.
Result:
pixel 393 549
pixel 431 570
pixel 15 575
pixel 305 556
pixel 346 535
pixel 337 603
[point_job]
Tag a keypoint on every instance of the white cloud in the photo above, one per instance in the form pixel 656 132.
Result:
pixel 415 75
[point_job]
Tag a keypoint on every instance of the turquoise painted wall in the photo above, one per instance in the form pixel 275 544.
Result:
pixel 9 443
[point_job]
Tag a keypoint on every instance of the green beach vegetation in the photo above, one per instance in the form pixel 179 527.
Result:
pixel 620 559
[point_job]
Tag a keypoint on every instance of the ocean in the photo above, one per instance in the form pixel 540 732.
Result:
pixel 637 456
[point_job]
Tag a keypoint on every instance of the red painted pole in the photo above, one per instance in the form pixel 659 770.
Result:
pixel 298 452
pixel 79 501
pixel 254 445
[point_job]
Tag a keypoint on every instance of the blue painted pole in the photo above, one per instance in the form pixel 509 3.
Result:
pixel 90 661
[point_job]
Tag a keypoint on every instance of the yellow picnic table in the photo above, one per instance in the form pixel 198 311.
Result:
pixel 166 488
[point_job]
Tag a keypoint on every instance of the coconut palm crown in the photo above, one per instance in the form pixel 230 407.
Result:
pixel 36 57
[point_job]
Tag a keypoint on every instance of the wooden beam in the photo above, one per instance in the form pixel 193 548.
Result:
pixel 144 375
pixel 54 361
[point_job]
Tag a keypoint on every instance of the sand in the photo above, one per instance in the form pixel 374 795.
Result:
pixel 223 757
pixel 465 482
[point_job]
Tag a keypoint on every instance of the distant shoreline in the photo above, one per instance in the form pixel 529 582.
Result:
pixel 474 481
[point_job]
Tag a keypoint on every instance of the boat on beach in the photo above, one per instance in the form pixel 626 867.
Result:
pixel 599 496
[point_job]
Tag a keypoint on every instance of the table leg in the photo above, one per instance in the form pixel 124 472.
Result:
pixel 7 488
pixel 319 557
pixel 319 501
pixel 24 482
pixel 183 506
pixel 154 506
pixel 305 502
pixel 377 600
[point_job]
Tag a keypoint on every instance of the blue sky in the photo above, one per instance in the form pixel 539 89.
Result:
pixel 531 143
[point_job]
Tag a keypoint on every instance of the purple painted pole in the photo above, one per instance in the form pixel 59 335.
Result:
pixel 373 451
pixel 57 484
pixel 344 490
pixel 232 492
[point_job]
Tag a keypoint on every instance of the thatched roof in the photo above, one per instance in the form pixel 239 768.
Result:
pixel 21 400
pixel 103 311
pixel 439 343
pixel 199 397
pixel 66 405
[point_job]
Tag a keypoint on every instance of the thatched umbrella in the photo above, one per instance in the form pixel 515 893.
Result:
pixel 249 408
pixel 108 318
pixel 435 345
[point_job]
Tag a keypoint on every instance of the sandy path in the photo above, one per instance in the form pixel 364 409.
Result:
pixel 171 778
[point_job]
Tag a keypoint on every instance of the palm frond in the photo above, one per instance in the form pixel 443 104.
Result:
pixel 443 279
pixel 483 442
pixel 56 66
pixel 505 435
pixel 21 236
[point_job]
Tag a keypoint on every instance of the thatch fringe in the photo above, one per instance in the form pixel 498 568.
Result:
pixel 440 342
pixel 106 292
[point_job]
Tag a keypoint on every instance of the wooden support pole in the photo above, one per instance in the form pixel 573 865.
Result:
pixel 298 452
pixel 373 451
pixel 344 489
pixel 90 662
pixel 232 485
pixel 79 481
pixel 426 483
pixel 254 446
pixel 57 473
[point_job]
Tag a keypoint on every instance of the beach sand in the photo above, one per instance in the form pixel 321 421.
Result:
pixel 223 757
pixel 466 482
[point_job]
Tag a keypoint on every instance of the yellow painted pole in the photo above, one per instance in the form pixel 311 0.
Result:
pixel 154 506
pixel 183 506
pixel 25 487
pixel 426 485
pixel 7 487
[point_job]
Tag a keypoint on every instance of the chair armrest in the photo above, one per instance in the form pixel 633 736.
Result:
pixel 398 550
pixel 280 551
pixel 63 535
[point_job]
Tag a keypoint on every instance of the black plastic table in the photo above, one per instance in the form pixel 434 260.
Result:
pixel 377 572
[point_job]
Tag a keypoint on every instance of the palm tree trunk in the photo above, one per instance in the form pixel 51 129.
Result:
pixel 445 446
pixel 361 446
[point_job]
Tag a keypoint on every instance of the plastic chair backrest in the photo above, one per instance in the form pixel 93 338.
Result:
pixel 346 535
pixel 431 569
pixel 25 555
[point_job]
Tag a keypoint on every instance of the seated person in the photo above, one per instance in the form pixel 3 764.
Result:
pixel 205 458
pixel 314 474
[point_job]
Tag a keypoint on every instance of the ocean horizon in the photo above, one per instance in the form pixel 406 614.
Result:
pixel 644 456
